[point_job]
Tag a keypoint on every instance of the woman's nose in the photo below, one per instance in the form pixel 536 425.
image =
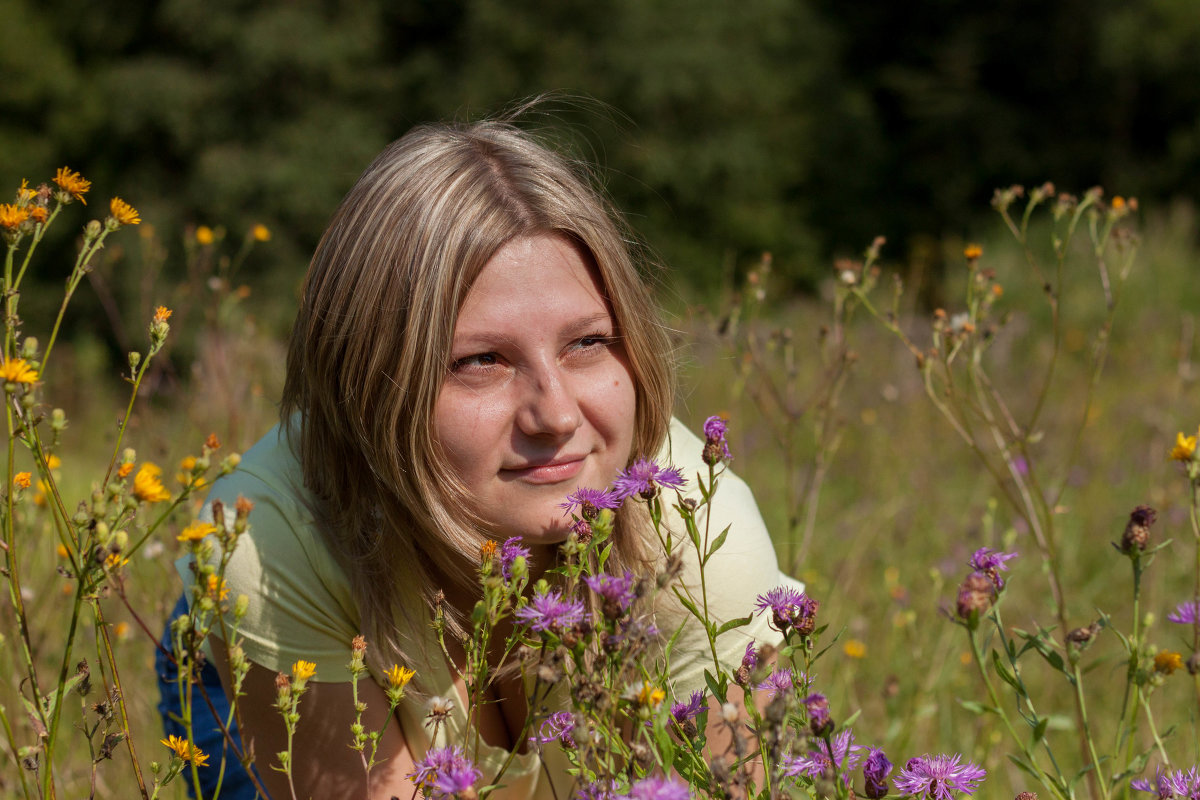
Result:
pixel 550 407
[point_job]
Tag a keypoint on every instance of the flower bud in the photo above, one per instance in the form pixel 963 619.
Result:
pixel 241 606
pixel 29 347
pixel 92 229
pixel 1137 530
pixel 135 358
pixel 975 596
pixel 58 419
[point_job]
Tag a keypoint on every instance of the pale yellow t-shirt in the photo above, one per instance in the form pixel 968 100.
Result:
pixel 301 605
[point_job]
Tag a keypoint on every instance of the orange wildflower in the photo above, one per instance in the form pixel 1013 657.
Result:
pixel 123 213
pixel 21 480
pixel 972 252
pixel 72 183
pixel 146 485
pixel 12 216
pixel 162 314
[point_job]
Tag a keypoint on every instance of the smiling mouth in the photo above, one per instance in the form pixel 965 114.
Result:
pixel 556 471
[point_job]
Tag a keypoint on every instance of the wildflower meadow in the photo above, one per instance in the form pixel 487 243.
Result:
pixel 993 505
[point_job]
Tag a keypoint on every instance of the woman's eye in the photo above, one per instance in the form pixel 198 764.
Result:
pixel 477 361
pixel 593 340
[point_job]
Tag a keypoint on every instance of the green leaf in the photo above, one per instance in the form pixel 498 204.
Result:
pixel 977 708
pixel 716 545
pixel 690 606
pixel 1025 766
pixel 734 623
pixel 1005 674
pixel 715 688
pixel 1039 731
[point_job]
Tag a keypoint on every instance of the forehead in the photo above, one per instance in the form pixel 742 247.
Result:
pixel 532 281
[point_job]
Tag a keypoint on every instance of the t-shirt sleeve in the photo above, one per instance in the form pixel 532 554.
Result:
pixel 742 569
pixel 300 603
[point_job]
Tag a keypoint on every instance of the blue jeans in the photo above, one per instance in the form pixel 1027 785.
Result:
pixel 206 733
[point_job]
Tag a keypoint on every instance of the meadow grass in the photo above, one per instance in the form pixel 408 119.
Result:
pixel 902 503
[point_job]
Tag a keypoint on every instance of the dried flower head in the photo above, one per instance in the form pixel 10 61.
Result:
pixel 1137 530
pixel 975 595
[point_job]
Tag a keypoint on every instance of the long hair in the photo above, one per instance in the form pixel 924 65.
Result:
pixel 372 343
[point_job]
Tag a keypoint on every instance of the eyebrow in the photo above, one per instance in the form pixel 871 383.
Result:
pixel 576 327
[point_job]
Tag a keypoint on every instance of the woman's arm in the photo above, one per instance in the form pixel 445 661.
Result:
pixel 323 763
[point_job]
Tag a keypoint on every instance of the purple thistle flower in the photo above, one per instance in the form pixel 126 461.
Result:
pixel 597 791
pixel 845 757
pixel 550 612
pixel 1184 613
pixel 510 551
pixel 1171 784
pixel 819 720
pixel 444 772
pixel 991 562
pixel 555 728
pixel 716 448
pixel 777 682
pixel 935 777
pixel 875 774
pixel 790 608
pixel 643 479
pixel 588 502
pixel 683 712
pixel 750 660
pixel 617 592
pixel 659 789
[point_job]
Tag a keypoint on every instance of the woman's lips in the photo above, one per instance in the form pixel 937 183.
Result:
pixel 556 471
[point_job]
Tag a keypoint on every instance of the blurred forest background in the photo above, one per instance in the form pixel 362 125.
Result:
pixel 722 129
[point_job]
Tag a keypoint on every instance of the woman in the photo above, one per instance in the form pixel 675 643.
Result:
pixel 474 343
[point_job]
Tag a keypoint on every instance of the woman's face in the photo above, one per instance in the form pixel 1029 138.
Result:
pixel 539 399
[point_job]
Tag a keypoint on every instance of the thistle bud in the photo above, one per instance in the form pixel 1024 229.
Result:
pixel 1137 530
pixel 975 596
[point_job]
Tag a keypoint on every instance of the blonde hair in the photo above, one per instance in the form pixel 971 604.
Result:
pixel 371 346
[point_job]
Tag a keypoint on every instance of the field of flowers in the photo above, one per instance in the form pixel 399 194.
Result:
pixel 992 505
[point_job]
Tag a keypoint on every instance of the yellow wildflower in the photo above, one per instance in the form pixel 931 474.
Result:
pixel 487 550
pixel 17 370
pixel 38 214
pixel 162 314
pixel 1167 662
pixel 261 233
pixel 303 670
pixel 123 213
pixel 146 485
pixel 997 290
pixel 650 695
pixel 854 648
pixel 12 216
pixel 121 629
pixel 398 676
pixel 124 470
pixel 185 476
pixel 1118 203
pixel 39 497
pixel 196 531
pixel 216 588
pixel 21 480
pixel 114 561
pixel 72 183
pixel 204 235
pixel 24 193
pixel 972 252
pixel 185 750
pixel 1185 447
pixel 53 461
pixel 61 550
